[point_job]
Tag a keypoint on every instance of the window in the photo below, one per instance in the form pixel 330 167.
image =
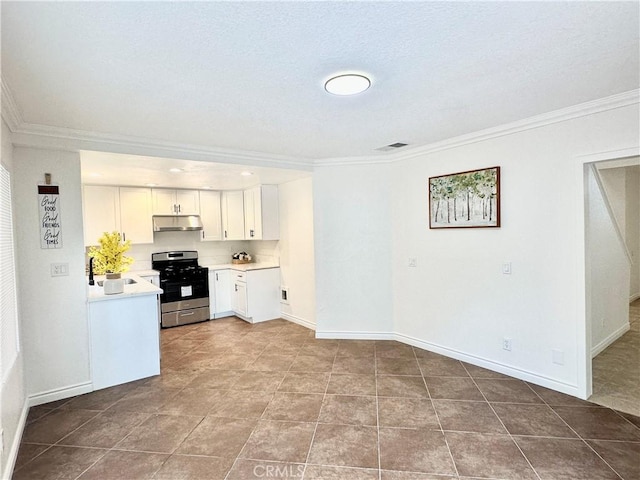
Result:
pixel 9 343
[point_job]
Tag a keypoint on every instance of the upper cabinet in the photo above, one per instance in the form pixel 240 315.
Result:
pixel 136 221
pixel 233 215
pixel 210 214
pixel 101 211
pixel 122 209
pixel 261 220
pixel 175 202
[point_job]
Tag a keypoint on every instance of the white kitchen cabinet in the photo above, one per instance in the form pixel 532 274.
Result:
pixel 233 215
pixel 121 209
pixel 124 340
pixel 223 292
pixel 153 279
pixel 175 202
pixel 261 219
pixel 101 211
pixel 239 298
pixel 211 216
pixel 255 294
pixel 220 293
pixel 136 223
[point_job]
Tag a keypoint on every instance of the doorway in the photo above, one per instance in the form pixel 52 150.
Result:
pixel 612 232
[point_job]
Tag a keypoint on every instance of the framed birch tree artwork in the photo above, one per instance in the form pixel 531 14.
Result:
pixel 465 200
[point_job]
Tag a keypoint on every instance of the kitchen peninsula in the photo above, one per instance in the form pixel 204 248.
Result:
pixel 124 332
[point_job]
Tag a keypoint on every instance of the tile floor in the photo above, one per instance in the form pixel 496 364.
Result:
pixel 616 370
pixel 240 401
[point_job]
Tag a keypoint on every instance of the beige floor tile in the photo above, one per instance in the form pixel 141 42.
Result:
pixel 159 433
pixel 279 441
pixel 416 450
pixel 351 410
pixel 218 437
pixel 187 467
pixel 117 465
pixel 345 445
pixel 295 407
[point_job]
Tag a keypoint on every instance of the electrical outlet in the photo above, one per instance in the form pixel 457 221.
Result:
pixel 59 269
pixel 413 262
pixel 506 268
pixel 506 344
pixel 557 357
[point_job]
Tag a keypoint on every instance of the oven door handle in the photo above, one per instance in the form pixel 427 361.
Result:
pixel 187 314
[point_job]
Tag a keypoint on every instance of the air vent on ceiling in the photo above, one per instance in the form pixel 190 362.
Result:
pixel 392 146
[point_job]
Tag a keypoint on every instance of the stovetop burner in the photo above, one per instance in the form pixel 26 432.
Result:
pixel 177 265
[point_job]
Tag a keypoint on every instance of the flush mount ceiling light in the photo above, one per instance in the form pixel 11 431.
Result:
pixel 175 170
pixel 151 184
pixel 348 84
pixel 246 174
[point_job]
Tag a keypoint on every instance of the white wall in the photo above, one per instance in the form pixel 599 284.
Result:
pixel 297 268
pixel 352 238
pixel 632 230
pixel 457 301
pixel 53 309
pixel 607 263
pixel 13 395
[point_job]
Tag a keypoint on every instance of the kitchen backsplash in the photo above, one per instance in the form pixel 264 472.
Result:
pixel 209 253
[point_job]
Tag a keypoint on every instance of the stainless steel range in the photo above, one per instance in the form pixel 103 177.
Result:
pixel 185 285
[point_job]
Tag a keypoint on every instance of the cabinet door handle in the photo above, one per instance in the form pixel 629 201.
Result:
pixel 124 237
pixel 179 209
pixel 187 314
pixel 216 276
pixel 202 233
pixel 225 234
pixel 236 285
pixel 251 233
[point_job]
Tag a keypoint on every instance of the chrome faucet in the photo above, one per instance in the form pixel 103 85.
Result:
pixel 91 282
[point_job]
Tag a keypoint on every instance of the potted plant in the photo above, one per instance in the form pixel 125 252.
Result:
pixel 109 257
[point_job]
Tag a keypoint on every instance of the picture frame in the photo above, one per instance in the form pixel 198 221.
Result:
pixel 469 199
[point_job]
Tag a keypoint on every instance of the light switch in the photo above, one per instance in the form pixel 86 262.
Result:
pixel 413 262
pixel 506 268
pixel 59 269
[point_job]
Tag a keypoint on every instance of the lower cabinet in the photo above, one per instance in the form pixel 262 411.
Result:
pixel 220 293
pixel 239 298
pixel 255 294
pixel 124 340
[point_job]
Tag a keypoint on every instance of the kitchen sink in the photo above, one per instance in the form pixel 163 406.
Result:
pixel 127 281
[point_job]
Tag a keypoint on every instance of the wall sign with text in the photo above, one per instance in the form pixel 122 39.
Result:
pixel 50 226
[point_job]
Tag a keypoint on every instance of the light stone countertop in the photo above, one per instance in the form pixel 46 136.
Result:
pixel 242 267
pixel 95 293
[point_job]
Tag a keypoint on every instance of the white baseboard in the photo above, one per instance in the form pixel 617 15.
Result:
pixel 599 348
pixel 59 393
pixel 541 380
pixel 300 321
pixel 635 297
pixel 514 372
pixel 15 445
pixel 346 335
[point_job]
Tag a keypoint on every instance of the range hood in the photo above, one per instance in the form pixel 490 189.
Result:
pixel 176 223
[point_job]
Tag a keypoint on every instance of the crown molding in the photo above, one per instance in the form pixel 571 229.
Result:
pixel 57 138
pixel 612 102
pixel 10 112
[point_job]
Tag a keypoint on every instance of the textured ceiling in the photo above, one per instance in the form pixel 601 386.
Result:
pixel 248 76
